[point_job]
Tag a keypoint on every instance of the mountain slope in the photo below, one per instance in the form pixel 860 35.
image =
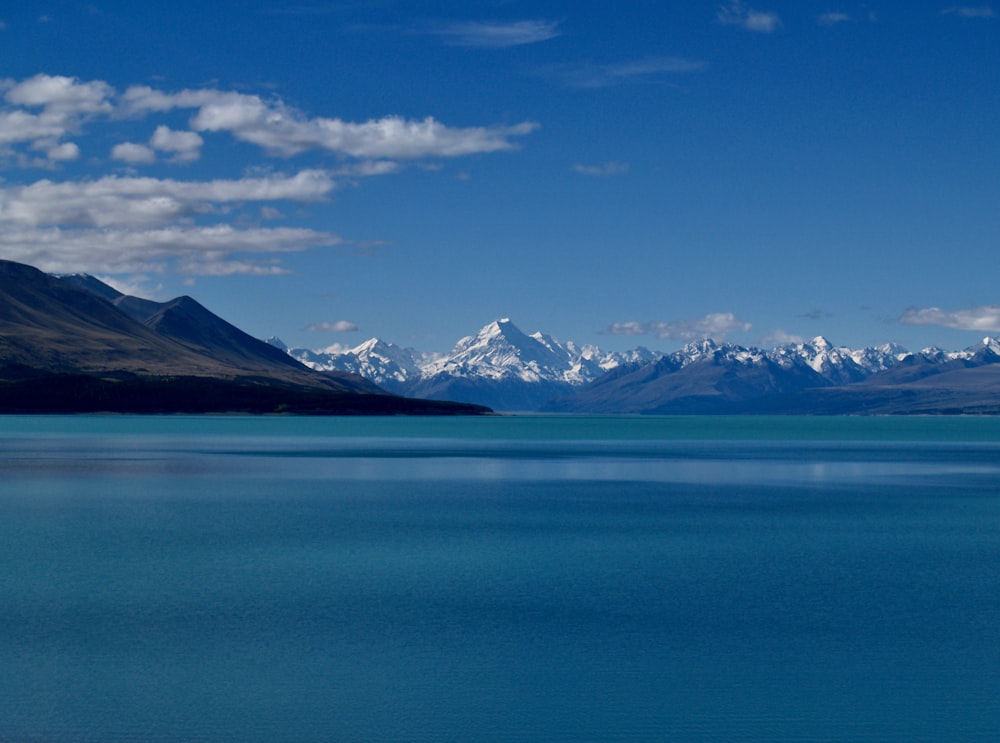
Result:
pixel 189 324
pixel 69 345
pixel 49 325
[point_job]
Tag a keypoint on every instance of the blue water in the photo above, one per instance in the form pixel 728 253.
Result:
pixel 499 579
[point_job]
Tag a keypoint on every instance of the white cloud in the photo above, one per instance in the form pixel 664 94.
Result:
pixel 21 126
pixel 285 131
pixel 185 146
pixel 187 249
pixel 116 224
pixel 715 325
pixel 63 152
pixel 980 11
pixel 115 201
pixel 135 154
pixel 606 169
pixel 62 94
pixel 128 225
pixel 65 103
pixel 339 326
pixel 983 319
pixel 498 35
pixel 736 13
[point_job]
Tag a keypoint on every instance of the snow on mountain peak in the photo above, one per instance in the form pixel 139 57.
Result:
pixel 501 355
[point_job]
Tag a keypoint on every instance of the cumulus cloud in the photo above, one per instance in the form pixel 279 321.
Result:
pixel 736 13
pixel 338 326
pixel 61 94
pixel 45 108
pixel 66 103
pixel 132 153
pixel 983 319
pixel 979 11
pixel 714 325
pixel 498 35
pixel 63 152
pixel 117 224
pixel 606 169
pixel 285 131
pixel 21 126
pixel 621 73
pixel 185 146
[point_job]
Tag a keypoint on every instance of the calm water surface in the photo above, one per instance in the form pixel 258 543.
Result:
pixel 495 579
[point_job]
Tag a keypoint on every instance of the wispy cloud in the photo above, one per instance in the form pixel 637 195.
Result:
pixel 498 34
pixel 715 325
pixel 979 11
pixel 648 69
pixel 337 326
pixel 833 19
pixel 780 338
pixel 113 201
pixel 983 319
pixel 139 225
pixel 603 170
pixel 815 315
pixel 214 250
pixel 736 13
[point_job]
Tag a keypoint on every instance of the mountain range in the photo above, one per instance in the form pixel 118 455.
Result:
pixel 508 370
pixel 74 344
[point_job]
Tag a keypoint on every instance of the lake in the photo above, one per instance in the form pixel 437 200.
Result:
pixel 554 578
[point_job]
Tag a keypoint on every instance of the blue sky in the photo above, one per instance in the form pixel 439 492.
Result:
pixel 639 173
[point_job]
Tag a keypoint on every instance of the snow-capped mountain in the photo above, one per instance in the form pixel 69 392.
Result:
pixel 836 364
pixel 501 351
pixel 812 377
pixel 508 370
pixel 500 364
pixel 386 364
